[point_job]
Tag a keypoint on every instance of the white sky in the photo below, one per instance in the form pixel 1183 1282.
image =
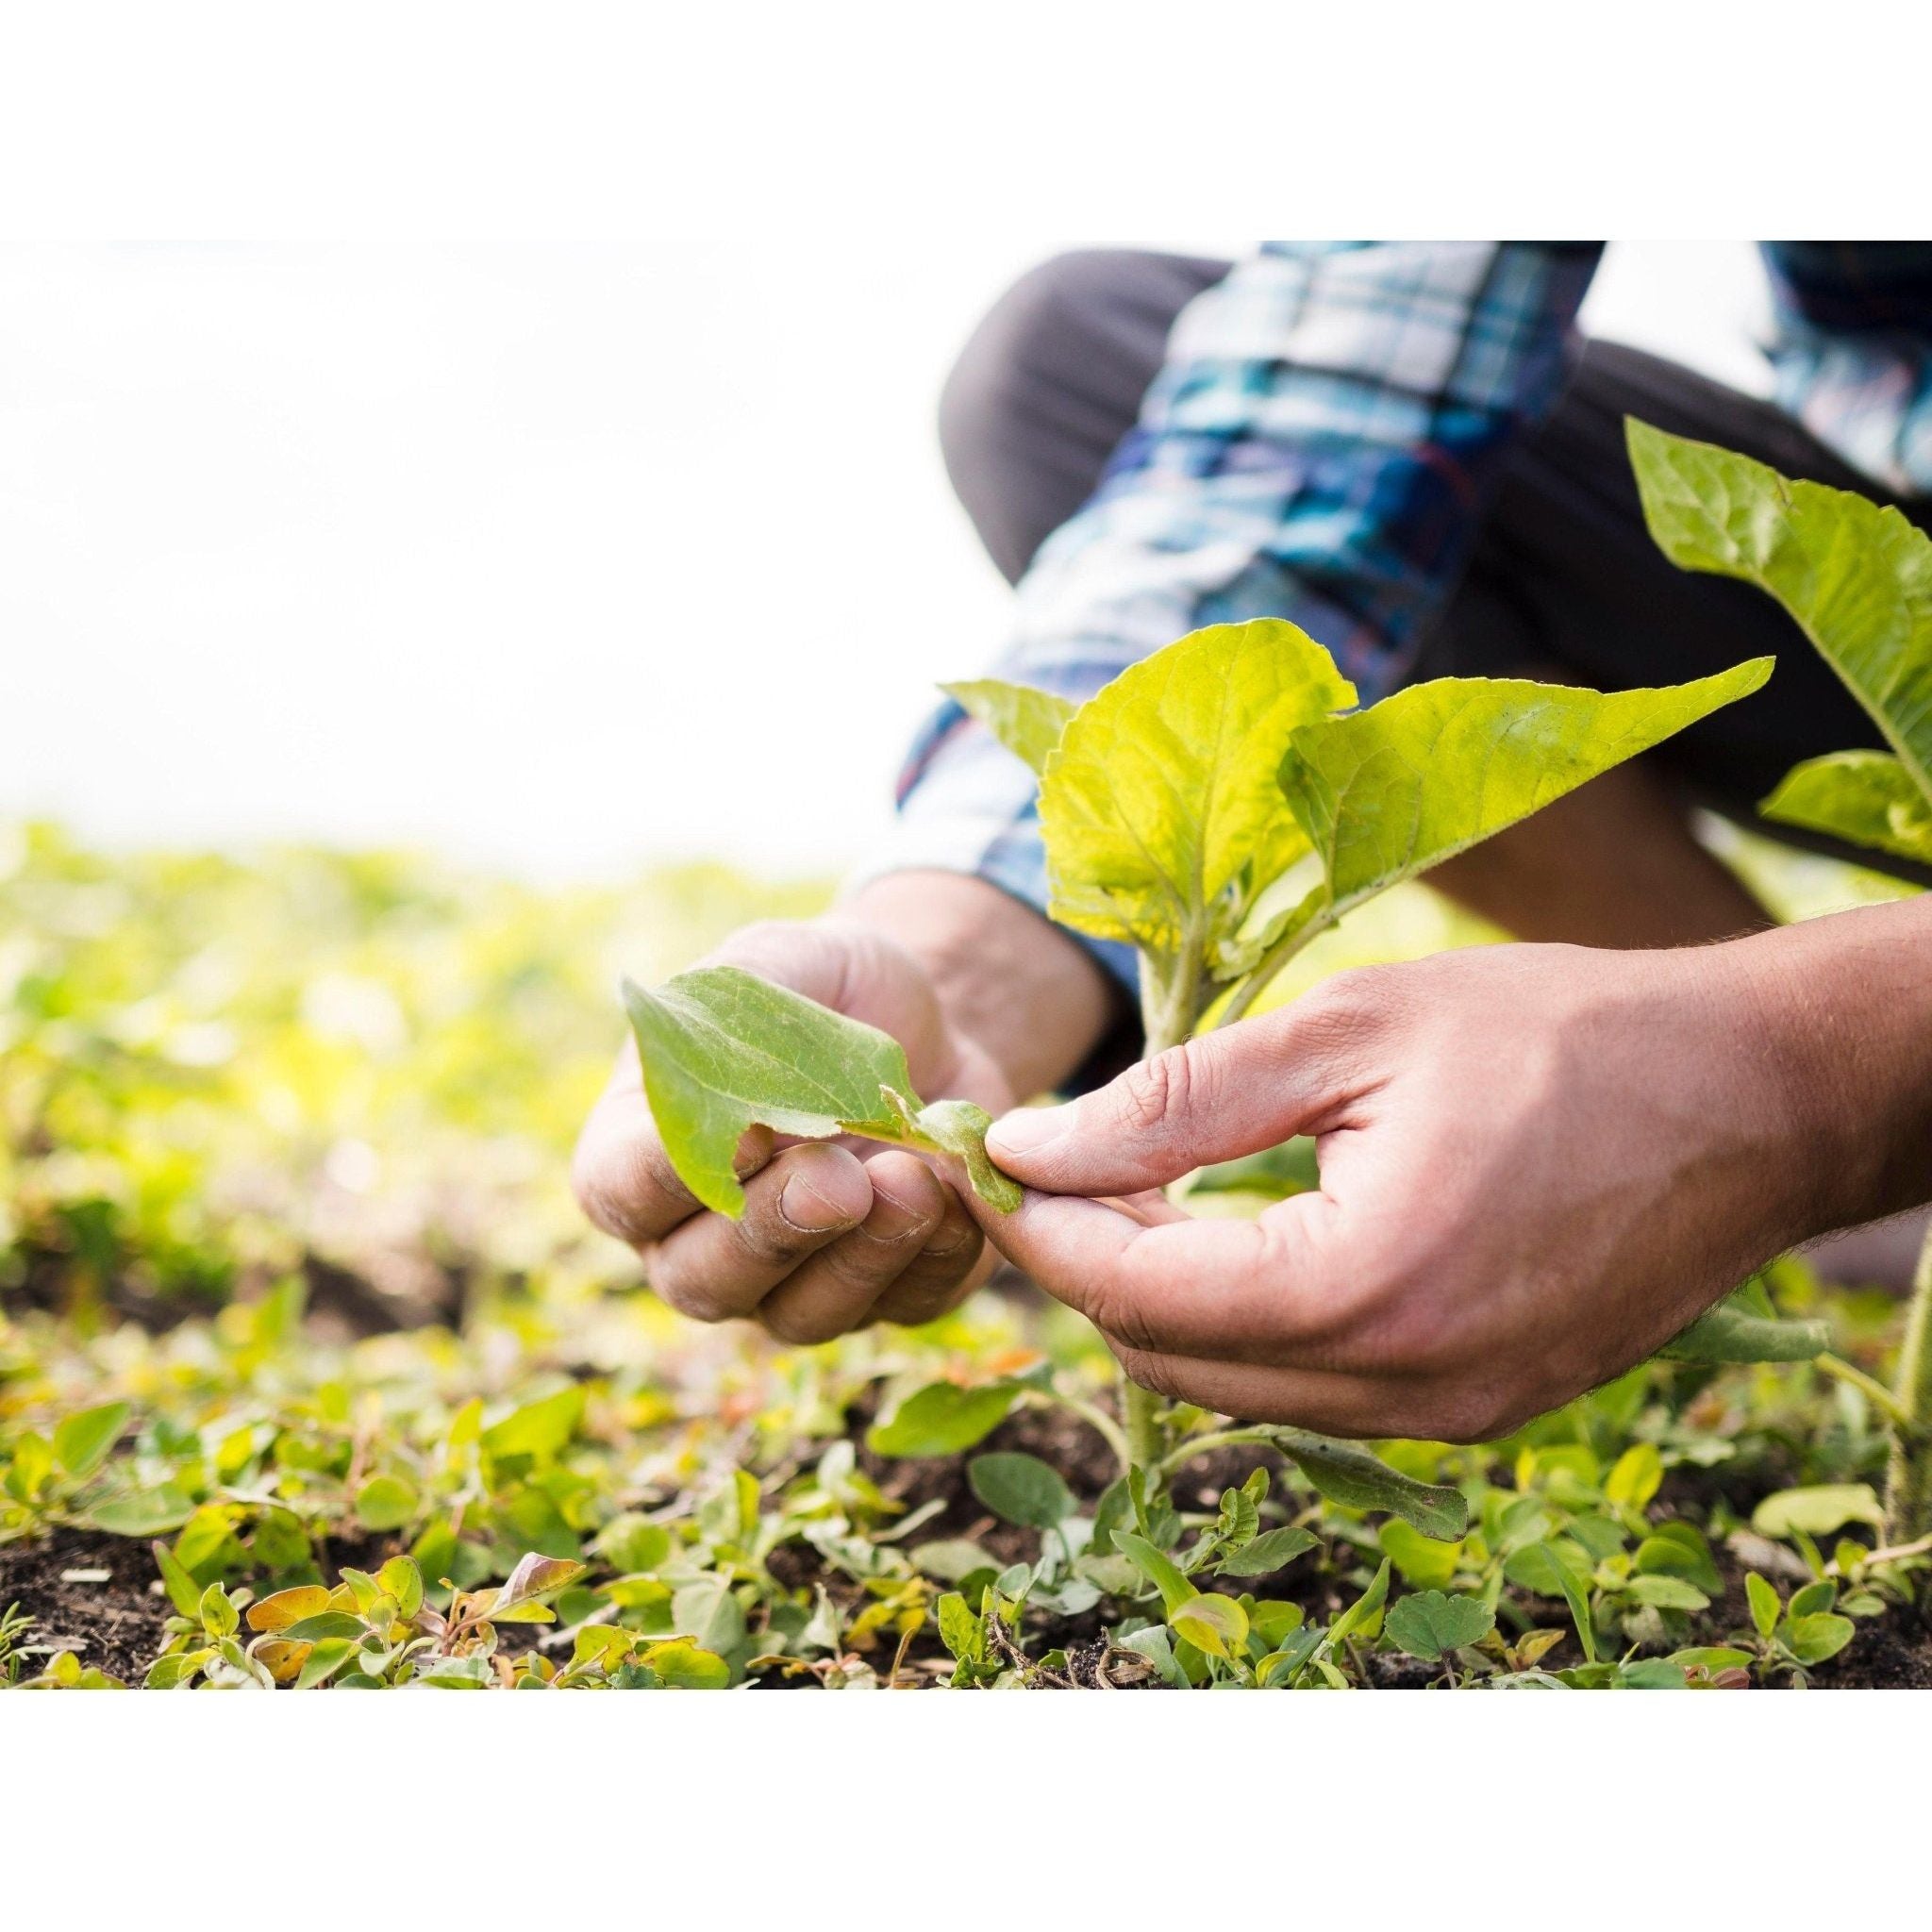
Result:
pixel 564 559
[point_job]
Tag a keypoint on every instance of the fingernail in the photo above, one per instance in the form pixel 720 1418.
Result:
pixel 1026 1130
pixel 806 1210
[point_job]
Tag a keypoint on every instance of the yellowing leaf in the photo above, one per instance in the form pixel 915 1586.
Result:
pixel 1027 722
pixel 288 1607
pixel 1159 805
pixel 724 1051
pixel 1865 796
pixel 1215 1624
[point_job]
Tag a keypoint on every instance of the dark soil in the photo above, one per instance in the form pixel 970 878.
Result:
pixel 115 1625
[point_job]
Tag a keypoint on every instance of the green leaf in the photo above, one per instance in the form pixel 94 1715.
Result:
pixel 1865 796
pixel 1347 1474
pixel 1360 1614
pixel 1027 722
pixel 1386 793
pixel 1273 1550
pixel 1021 1488
pixel 960 1631
pixel 1813 1639
pixel 708 1613
pixel 1666 1592
pixel 1817 1511
pixel 683 1666
pixel 386 1502
pixel 632 1543
pixel 1160 807
pixel 82 1442
pixel 183 1591
pixel 1215 1624
pixel 538 1429
pixel 1540 1568
pixel 941 1419
pixel 1856 578
pixel 1730 1333
pixel 1765 1607
pixel 1423 1563
pixel 218 1616
pixel 1430 1624
pixel 145 1512
pixel 324 1661
pixel 724 1051
pixel 1156 1566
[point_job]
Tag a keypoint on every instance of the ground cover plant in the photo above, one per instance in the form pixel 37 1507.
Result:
pixel 311 1379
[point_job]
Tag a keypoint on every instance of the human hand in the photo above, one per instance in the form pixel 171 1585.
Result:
pixel 834 1235
pixel 1538 1163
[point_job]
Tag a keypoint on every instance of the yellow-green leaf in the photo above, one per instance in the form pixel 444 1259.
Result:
pixel 82 1442
pixel 1160 807
pixel 1385 793
pixel 1867 797
pixel 1215 1624
pixel 1027 722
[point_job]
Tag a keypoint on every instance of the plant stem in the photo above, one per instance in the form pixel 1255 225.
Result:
pixel 1171 996
pixel 1096 1419
pixel 1909 1485
pixel 1146 1440
pixel 1875 1392
pixel 1218 1439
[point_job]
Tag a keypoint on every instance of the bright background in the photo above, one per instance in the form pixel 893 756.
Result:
pixel 557 559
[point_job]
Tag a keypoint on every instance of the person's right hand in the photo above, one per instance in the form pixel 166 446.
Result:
pixel 834 1235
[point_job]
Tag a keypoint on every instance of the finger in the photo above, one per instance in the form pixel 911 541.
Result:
pixel 1332 1404
pixel 624 1179
pixel 715 1269
pixel 1273 1291
pixel 834 1291
pixel 953 1262
pixel 1230 1093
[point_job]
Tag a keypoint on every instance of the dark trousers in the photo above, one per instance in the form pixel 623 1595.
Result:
pixel 1563 581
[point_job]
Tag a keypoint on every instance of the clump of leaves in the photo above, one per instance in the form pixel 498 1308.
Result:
pixel 1857 580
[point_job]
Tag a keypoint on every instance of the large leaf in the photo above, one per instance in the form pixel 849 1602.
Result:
pixel 1160 805
pixel 724 1051
pixel 1346 1474
pixel 1021 1488
pixel 1856 578
pixel 1027 722
pixel 1387 792
pixel 1866 797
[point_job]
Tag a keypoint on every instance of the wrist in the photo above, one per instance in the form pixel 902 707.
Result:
pixel 1845 1008
pixel 1033 999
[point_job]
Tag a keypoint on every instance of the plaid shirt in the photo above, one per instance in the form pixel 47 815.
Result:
pixel 1320 445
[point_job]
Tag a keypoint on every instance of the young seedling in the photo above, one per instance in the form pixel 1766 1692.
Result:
pixel 1220 804
pixel 1217 806
pixel 1857 579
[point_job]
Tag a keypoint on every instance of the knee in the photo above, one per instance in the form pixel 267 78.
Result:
pixel 1031 331
pixel 1008 447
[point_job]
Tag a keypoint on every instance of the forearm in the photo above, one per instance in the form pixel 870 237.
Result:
pixel 1034 998
pixel 1848 1001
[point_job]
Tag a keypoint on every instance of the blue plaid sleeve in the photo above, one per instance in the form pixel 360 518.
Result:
pixel 1319 446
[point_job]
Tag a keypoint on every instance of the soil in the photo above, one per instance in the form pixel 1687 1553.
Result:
pixel 115 1624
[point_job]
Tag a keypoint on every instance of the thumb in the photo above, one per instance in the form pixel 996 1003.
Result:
pixel 1228 1093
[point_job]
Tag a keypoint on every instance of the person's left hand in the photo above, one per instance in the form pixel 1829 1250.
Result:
pixel 1538 1163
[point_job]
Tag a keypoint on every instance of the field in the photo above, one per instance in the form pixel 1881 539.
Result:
pixel 311 1373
